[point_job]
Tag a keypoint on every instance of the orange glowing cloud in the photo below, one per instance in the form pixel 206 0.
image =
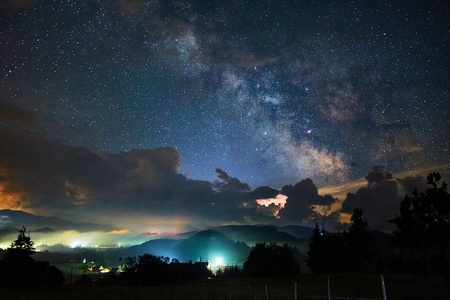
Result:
pixel 340 191
pixel 78 194
pixel 10 201
pixel 123 231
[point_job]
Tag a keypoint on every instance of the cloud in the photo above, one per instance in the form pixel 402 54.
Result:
pixel 301 200
pixel 13 112
pixel 378 175
pixel 229 183
pixel 53 178
pixel 264 192
pixel 379 199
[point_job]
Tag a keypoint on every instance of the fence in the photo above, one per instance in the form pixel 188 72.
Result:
pixel 295 295
pixel 235 289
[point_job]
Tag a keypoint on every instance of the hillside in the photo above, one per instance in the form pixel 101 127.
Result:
pixel 18 218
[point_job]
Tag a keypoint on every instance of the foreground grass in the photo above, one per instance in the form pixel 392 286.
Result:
pixel 367 286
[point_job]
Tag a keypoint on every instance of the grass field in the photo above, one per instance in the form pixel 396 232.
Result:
pixel 357 286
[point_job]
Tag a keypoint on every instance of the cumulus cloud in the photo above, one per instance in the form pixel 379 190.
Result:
pixel 380 197
pixel 378 175
pixel 230 183
pixel 301 201
pixel 53 178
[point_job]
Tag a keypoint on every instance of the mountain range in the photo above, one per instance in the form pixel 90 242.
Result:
pixel 18 218
pixel 219 245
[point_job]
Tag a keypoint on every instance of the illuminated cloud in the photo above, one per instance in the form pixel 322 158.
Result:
pixel 340 191
pixel 279 200
pixel 123 231
pixel 301 202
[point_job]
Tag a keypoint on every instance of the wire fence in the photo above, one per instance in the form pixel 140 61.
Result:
pixel 227 290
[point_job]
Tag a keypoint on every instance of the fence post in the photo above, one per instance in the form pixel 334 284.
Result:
pixel 383 287
pixel 267 293
pixel 295 291
pixel 328 281
pixel 250 290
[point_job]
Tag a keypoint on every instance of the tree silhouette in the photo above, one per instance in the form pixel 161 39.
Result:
pixel 316 252
pixel 325 253
pixel 21 249
pixel 19 269
pixel 271 260
pixel 406 233
pixel 424 220
pixel 360 244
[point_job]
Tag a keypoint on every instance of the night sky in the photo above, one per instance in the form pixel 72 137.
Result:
pixel 218 98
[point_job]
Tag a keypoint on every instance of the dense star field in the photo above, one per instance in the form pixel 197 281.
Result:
pixel 268 92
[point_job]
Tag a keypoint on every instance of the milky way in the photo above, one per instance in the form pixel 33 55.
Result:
pixel 272 92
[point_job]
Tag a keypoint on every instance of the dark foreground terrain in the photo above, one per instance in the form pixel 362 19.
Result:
pixel 356 286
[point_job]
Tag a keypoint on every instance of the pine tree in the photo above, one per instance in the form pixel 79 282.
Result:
pixel 325 253
pixel 316 252
pixel 360 244
pixel 21 249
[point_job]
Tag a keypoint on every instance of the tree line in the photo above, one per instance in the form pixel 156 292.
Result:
pixel 422 225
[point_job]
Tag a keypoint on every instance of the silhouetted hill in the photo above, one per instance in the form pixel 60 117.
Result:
pixel 43 230
pixel 18 218
pixel 255 234
pixel 158 247
pixel 8 234
pixel 210 245
pixel 172 236
pixel 8 230
pixel 301 232
pixel 207 245
pixel 170 230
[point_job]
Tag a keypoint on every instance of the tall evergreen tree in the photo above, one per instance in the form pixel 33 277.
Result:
pixel 316 252
pixel 360 244
pixel 325 253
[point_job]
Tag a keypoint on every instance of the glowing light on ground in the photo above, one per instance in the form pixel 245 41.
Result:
pixel 219 261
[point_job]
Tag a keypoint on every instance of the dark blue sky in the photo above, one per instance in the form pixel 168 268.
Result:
pixel 271 92
pixel 257 88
